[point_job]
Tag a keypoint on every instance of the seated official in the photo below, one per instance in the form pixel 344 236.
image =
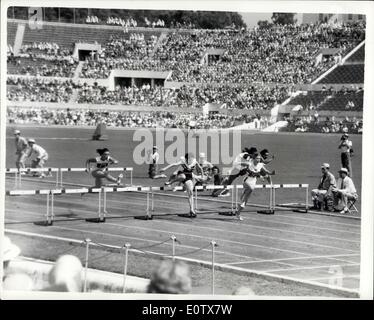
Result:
pixel 344 191
pixel 324 189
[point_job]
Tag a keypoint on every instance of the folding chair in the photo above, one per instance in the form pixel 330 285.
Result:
pixel 351 204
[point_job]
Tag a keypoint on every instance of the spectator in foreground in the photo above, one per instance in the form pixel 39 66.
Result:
pixel 18 282
pixel 66 275
pixel 172 278
pixel 10 251
pixel 13 281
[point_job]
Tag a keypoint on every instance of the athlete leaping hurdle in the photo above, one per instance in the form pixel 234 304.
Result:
pixel 255 169
pixel 185 176
pixel 102 164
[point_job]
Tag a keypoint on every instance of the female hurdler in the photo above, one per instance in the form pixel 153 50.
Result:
pixel 256 168
pixel 102 164
pixel 186 176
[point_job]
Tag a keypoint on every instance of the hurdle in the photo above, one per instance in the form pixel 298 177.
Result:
pixel 296 207
pixel 18 175
pixel 102 198
pixel 119 169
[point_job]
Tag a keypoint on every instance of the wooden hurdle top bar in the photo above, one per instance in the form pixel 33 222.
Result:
pixel 84 169
pixel 140 188
pixel 15 170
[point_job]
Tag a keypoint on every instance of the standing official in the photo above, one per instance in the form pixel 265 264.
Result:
pixel 21 150
pixel 346 153
pixel 153 158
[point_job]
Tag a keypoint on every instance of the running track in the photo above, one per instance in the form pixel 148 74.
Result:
pixel 323 250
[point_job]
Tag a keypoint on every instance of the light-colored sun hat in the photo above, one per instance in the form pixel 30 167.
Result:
pixel 325 165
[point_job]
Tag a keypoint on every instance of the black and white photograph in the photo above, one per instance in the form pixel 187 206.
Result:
pixel 200 149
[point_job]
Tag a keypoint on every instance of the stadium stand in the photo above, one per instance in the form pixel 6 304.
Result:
pixel 352 73
pixel 350 101
pixel 251 63
pixel 122 118
pixel 359 55
pixel 39 90
pixel 41 67
pixel 330 100
pixel 309 99
pixel 11 33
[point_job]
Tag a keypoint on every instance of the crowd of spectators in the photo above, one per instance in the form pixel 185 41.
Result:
pixel 254 97
pixel 229 97
pixel 92 20
pixel 45 67
pixel 129 22
pixel 144 95
pixel 45 50
pixel 127 119
pixel 283 54
pixel 39 89
pixel 280 54
pixel 43 59
pixel 101 67
pixel 312 123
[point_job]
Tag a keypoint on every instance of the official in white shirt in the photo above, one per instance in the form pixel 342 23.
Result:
pixel 21 150
pixel 153 158
pixel 40 156
pixel 345 190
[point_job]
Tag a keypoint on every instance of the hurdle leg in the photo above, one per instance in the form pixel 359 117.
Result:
pixel 49 212
pixel 271 202
pixel 305 210
pixel 61 178
pixel 101 215
pixel 148 215
pixel 19 179
pixel 131 178
pixel 104 212
pixel 195 198
pixel 232 200
pixel 16 179
pixel 57 178
pixel 152 200
pixel 234 195
pixel 52 213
